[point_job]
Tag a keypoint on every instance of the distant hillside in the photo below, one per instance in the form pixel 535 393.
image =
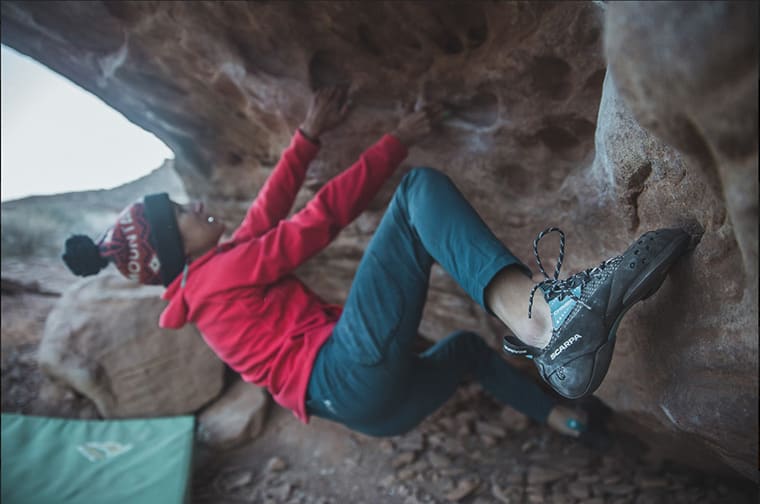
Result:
pixel 37 226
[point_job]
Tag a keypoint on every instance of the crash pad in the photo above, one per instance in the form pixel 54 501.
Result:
pixel 47 460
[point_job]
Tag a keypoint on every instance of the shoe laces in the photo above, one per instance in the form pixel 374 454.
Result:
pixel 554 287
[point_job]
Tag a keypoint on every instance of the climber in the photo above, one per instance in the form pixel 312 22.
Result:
pixel 355 364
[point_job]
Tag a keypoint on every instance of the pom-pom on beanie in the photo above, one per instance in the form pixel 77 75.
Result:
pixel 144 244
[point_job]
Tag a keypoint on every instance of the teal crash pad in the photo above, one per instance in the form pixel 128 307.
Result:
pixel 55 460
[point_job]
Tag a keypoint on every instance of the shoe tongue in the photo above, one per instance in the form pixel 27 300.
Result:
pixel 560 309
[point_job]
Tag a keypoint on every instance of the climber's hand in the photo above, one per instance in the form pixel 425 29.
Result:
pixel 416 125
pixel 328 108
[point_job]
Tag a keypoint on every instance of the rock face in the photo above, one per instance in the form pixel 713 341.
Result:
pixel 688 73
pixel 102 339
pixel 695 87
pixel 540 135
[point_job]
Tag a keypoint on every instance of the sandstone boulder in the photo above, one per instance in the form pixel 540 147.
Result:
pixel 238 416
pixel 103 340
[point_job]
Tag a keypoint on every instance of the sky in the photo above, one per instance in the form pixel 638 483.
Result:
pixel 57 137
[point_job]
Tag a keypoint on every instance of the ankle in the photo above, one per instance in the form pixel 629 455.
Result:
pixel 535 331
pixel 567 421
pixel 507 296
pixel 536 335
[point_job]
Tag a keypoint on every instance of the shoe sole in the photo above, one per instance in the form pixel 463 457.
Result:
pixel 645 286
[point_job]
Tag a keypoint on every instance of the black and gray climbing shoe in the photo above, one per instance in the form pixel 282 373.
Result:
pixel 587 307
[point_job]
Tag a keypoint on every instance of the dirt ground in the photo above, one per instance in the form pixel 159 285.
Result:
pixel 472 451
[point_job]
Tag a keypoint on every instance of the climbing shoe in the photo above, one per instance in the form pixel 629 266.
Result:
pixel 587 307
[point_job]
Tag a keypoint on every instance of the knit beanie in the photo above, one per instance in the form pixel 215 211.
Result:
pixel 144 244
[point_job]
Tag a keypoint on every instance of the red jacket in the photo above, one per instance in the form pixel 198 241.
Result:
pixel 252 311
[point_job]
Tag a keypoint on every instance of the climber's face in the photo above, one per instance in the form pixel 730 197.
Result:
pixel 200 231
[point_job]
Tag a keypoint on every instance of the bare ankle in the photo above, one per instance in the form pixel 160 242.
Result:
pixel 535 331
pixel 507 296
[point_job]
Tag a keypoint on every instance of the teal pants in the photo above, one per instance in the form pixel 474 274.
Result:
pixel 367 376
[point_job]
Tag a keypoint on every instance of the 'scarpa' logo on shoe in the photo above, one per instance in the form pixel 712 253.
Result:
pixel 564 346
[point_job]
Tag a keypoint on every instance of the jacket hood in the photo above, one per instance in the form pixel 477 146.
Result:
pixel 174 315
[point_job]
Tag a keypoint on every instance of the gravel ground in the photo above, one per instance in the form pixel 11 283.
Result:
pixel 473 451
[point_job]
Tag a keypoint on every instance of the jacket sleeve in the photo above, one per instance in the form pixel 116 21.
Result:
pixel 279 251
pixel 275 199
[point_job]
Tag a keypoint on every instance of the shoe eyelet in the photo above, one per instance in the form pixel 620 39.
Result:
pixel 632 265
pixel 643 261
pixel 636 252
pixel 560 374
